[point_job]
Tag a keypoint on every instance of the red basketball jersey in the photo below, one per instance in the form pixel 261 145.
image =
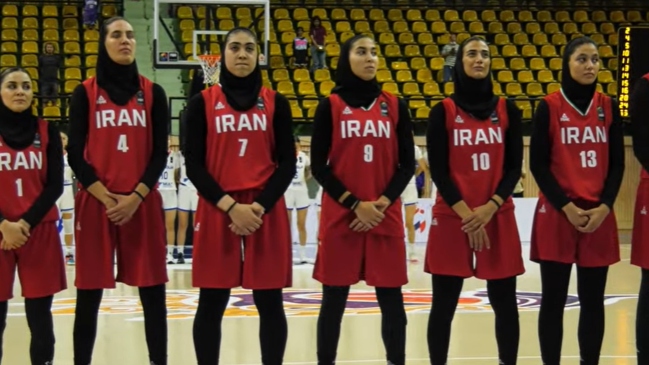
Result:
pixel 120 138
pixel 579 153
pixel 644 174
pixel 240 145
pixel 364 156
pixel 23 175
pixel 476 155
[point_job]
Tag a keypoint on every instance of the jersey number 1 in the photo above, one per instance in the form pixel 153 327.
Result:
pixel 19 187
pixel 121 143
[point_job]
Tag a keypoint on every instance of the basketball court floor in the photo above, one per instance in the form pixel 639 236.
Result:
pixel 120 340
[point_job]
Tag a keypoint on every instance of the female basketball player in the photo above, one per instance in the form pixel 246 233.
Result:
pixel 297 197
pixel 167 187
pixel 476 138
pixel 66 203
pixel 31 181
pixel 639 110
pixel 409 197
pixel 119 123
pixel 241 157
pixel 362 153
pixel 577 159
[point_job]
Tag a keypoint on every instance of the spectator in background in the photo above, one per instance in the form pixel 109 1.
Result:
pixel 49 63
pixel 90 13
pixel 448 52
pixel 317 33
pixel 300 49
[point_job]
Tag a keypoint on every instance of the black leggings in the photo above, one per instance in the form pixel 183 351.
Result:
pixel 591 283
pixel 642 320
pixel 393 323
pixel 273 329
pixel 502 297
pixel 155 323
pixel 39 320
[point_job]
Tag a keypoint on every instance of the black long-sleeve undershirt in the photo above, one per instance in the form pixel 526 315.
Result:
pixel 78 137
pixel 639 112
pixel 54 184
pixel 196 148
pixel 54 181
pixel 438 151
pixel 540 159
pixel 321 145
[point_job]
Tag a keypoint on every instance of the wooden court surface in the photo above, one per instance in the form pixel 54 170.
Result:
pixel 120 339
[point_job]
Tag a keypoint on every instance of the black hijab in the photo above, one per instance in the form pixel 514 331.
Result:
pixel 17 129
pixel 579 95
pixel 355 91
pixel 474 96
pixel 121 82
pixel 241 92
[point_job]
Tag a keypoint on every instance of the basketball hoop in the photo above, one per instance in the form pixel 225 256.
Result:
pixel 211 65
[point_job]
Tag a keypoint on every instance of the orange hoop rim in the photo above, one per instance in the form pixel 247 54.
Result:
pixel 210 58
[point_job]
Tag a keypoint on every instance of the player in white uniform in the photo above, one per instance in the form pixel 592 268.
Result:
pixel 65 203
pixel 167 186
pixel 297 197
pixel 187 203
pixel 409 199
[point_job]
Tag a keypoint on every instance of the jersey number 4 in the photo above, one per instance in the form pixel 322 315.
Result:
pixel 122 145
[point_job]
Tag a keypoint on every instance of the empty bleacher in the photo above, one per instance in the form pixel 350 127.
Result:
pixel 25 30
pixel 525 45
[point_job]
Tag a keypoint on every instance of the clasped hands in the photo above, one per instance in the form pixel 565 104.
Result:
pixel 120 208
pixel 369 214
pixel 586 221
pixel 474 225
pixel 14 234
pixel 246 218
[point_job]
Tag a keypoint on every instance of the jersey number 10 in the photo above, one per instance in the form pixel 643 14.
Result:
pixel 481 161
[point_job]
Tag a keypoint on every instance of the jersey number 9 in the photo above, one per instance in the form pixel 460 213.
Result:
pixel 368 153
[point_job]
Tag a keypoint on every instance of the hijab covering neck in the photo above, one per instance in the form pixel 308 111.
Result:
pixel 121 82
pixel 240 92
pixel 17 129
pixel 474 96
pixel 577 94
pixel 355 91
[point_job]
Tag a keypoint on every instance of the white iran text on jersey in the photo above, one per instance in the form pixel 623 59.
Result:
pixel 108 118
pixel 21 160
pixel 470 137
pixel 229 123
pixel 370 128
pixel 586 134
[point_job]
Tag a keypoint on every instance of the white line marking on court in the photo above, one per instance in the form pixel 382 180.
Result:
pixel 477 358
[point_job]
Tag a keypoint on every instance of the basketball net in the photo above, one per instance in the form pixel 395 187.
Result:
pixel 211 65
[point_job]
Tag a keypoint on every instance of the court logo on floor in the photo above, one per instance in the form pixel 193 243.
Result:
pixel 181 304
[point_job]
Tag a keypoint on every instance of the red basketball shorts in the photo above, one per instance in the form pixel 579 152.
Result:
pixel 40 263
pixel 554 238
pixel 140 244
pixel 448 251
pixel 222 259
pixel 345 259
pixel 640 238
